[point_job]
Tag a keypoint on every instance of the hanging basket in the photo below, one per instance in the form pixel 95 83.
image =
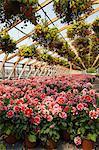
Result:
pixel 87 144
pixel 56 45
pixel 69 10
pixel 11 8
pixel 29 13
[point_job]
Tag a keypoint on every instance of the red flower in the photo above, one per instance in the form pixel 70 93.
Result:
pixel 20 101
pixel 37 120
pixel 10 114
pixel 12 101
pixel 88 98
pixel 60 100
pixel 16 109
pixel 66 109
pixel 28 112
pixel 80 106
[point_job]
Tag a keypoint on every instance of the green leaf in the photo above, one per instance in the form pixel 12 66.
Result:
pixel 79 131
pixel 92 137
pixel 1 126
pixel 2 146
pixel 32 138
pixel 47 130
pixel 8 131
pixel 50 133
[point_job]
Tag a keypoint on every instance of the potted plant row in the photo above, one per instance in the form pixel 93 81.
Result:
pixel 47 109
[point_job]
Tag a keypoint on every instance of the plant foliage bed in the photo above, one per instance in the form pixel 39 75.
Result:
pixel 42 108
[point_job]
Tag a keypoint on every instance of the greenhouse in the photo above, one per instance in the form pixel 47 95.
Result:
pixel 49 74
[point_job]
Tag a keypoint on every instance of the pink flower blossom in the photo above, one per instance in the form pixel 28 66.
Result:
pixel 37 120
pixel 12 101
pixel 93 114
pixel 52 126
pixel 80 106
pixel 49 118
pixel 20 101
pixel 16 109
pixel 28 112
pixel 97 111
pixel 60 100
pixel 92 92
pixel 75 91
pixel 10 114
pixel 77 140
pixel 63 115
pixel 5 108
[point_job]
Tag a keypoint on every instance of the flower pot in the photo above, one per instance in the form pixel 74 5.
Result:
pixel 65 135
pixel 10 139
pixel 29 144
pixel 50 145
pixel 87 144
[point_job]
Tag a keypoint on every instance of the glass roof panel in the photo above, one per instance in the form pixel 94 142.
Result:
pixel 41 13
pixel 25 28
pixel 49 11
pixel 13 59
pixel 23 61
pixel 41 1
pixel 92 17
pixel 2 56
pixel 15 34
pixel 58 23
pixel 27 41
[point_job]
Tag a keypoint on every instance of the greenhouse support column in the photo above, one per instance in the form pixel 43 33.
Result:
pixel 32 66
pixel 48 71
pixel 51 71
pixel 42 69
pixel 70 67
pixel 97 58
pixel 54 70
pixel 3 71
pixel 45 71
pixel 37 69
pixel 3 62
pixel 14 67
pixel 23 68
pixel 57 71
pixel 14 72
pixel 30 71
